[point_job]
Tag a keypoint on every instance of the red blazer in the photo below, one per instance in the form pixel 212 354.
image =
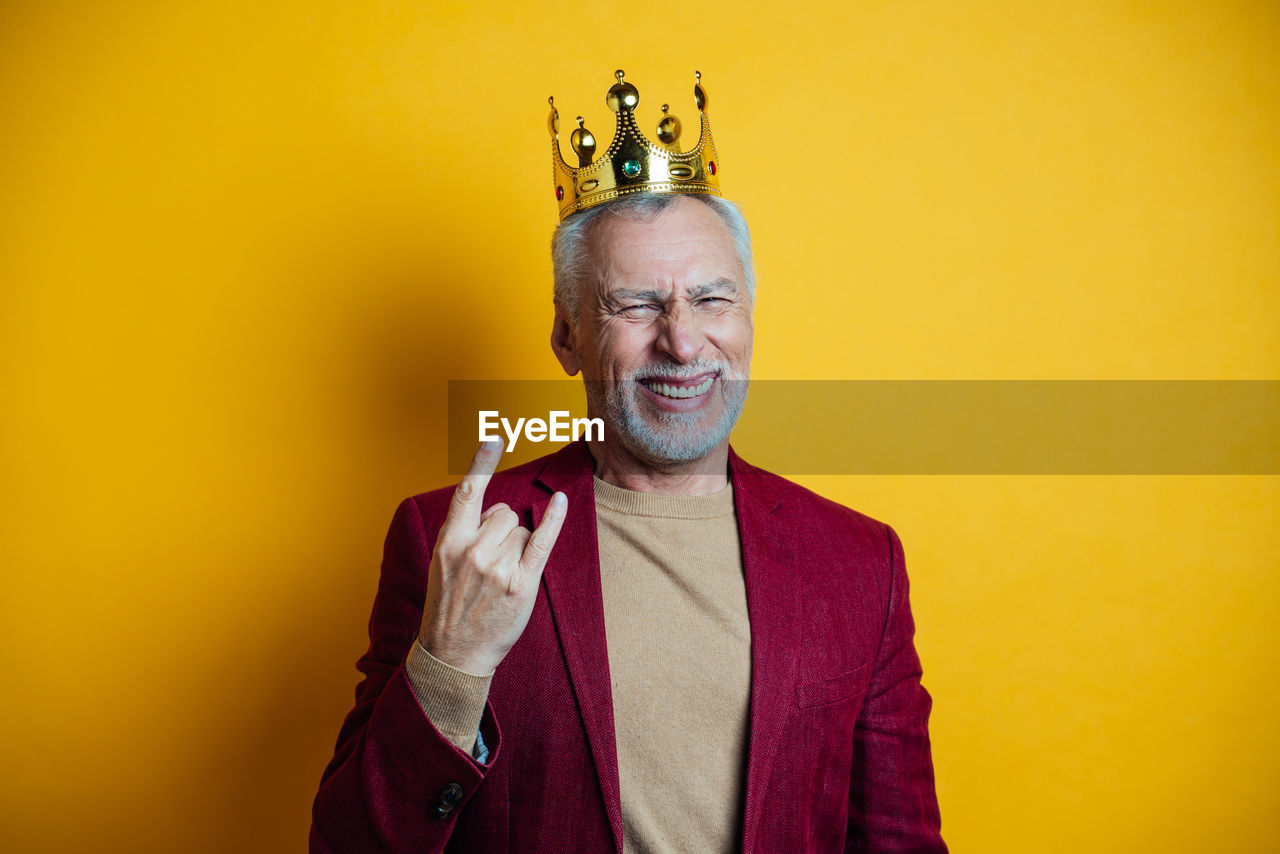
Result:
pixel 838 758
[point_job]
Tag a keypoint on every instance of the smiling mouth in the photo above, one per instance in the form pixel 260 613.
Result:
pixel 679 389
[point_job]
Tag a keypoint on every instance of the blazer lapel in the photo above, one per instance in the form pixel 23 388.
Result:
pixel 572 579
pixel 773 606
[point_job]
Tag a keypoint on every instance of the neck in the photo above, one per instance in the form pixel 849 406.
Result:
pixel 703 476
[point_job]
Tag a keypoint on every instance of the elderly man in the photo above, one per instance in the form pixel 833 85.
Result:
pixel 638 643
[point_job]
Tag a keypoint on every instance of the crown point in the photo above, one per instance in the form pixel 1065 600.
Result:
pixel 619 74
pixel 699 94
pixel 583 144
pixel 622 96
pixel 553 120
pixel 668 129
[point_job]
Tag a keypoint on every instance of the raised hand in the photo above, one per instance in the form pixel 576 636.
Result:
pixel 484 573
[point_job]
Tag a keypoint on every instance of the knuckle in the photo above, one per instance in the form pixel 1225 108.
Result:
pixel 479 563
pixel 536 547
pixel 502 522
pixel 496 575
pixel 448 548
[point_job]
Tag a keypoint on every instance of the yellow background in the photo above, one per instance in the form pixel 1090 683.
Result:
pixel 244 247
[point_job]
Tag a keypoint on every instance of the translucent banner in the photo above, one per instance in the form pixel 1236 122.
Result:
pixel 931 426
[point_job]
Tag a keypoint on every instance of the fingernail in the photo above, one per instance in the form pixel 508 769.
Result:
pixel 559 501
pixel 492 445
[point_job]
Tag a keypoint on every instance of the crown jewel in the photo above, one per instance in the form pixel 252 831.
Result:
pixel 631 163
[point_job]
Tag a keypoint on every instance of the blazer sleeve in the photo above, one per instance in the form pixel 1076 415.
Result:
pixel 893 805
pixel 395 783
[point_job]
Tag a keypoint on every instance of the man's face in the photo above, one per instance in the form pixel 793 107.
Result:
pixel 664 333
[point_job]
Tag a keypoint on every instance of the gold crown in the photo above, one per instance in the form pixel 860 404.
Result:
pixel 632 164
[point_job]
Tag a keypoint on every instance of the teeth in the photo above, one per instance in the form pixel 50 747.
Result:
pixel 679 393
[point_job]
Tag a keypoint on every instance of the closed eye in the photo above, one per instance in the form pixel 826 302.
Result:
pixel 714 303
pixel 638 309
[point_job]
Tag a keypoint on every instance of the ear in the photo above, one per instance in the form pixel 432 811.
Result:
pixel 564 342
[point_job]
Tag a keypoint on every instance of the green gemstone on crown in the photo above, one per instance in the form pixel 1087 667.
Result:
pixel 631 168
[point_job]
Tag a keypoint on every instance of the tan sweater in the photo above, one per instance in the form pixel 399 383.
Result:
pixel 675 616
pixel 679 648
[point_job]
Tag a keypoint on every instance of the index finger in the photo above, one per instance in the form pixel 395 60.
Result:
pixel 464 510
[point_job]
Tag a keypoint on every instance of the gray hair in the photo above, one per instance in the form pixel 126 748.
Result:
pixel 570 252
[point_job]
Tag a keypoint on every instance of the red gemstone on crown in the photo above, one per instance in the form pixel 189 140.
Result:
pixel 711 167
pixel 559 193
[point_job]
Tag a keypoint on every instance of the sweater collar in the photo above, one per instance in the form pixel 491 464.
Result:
pixel 573 462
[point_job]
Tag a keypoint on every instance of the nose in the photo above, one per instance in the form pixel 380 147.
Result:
pixel 680 334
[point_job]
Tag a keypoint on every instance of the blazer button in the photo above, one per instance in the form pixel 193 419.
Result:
pixel 446 800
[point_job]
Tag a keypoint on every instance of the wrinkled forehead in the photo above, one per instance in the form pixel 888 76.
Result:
pixel 683 251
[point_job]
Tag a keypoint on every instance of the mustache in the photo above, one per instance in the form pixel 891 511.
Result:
pixel 677 371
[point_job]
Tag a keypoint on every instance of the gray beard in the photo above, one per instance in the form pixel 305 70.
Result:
pixel 669 437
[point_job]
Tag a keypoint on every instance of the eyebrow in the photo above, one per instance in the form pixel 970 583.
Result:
pixel 713 286
pixel 655 295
